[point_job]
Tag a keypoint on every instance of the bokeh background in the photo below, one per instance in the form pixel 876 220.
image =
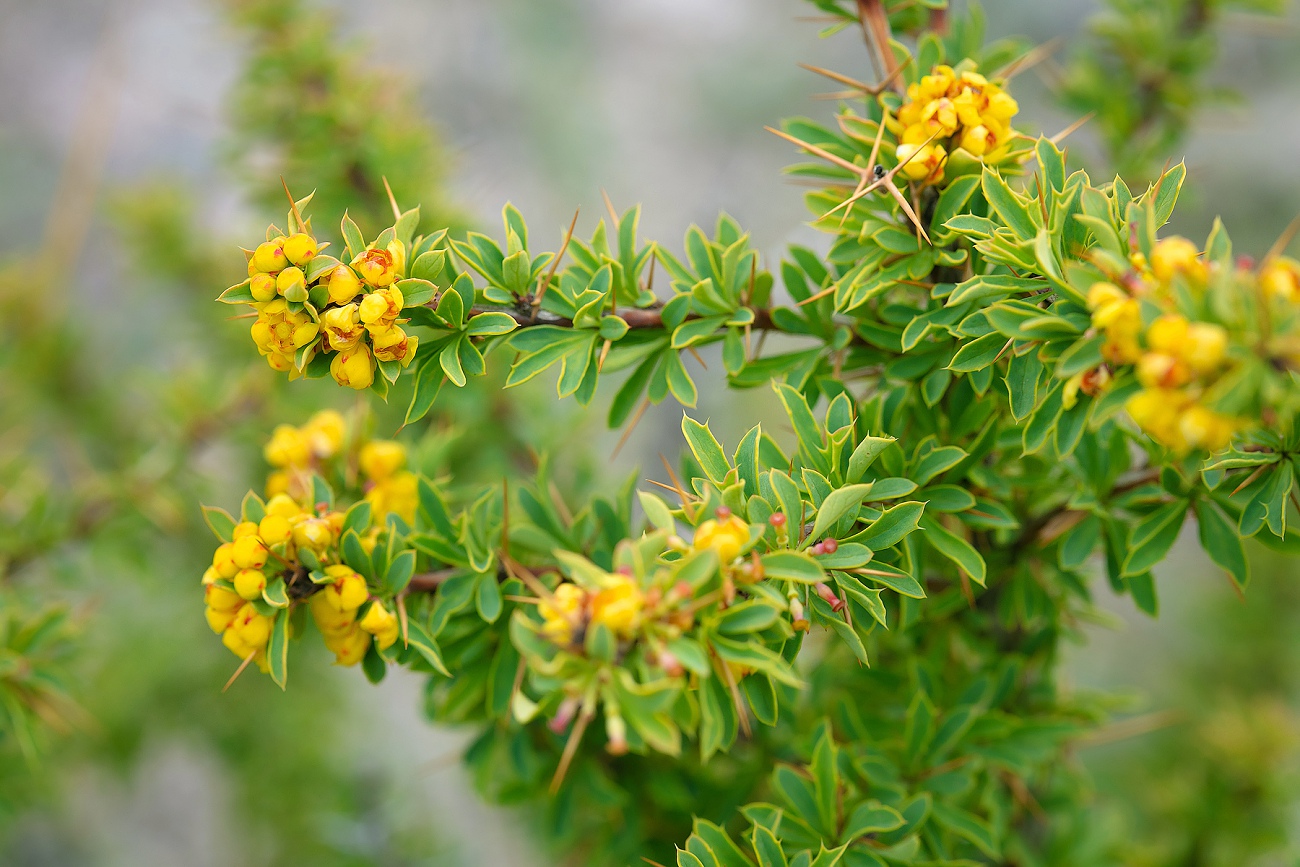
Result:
pixel 141 139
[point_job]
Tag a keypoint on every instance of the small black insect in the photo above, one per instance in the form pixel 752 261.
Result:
pixel 879 171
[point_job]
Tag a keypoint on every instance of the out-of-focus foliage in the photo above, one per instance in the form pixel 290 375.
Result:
pixel 1143 73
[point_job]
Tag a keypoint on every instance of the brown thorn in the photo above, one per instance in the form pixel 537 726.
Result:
pixel 401 616
pixel 555 263
pixel 238 671
pixel 742 710
pixel 1028 60
pixel 696 355
pixel 1249 479
pixel 677 486
pixel 392 200
pixel 571 747
pixel 636 418
pixel 604 351
pixel 824 154
pixel 842 79
pixel 609 206
pixel 293 206
pixel 560 506
pixel 1072 128
pixel 1282 242
pixel 817 296
pixel 530 580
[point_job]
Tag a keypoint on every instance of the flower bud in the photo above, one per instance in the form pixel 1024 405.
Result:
pixel 616 732
pixel 242 529
pixel 300 248
pixel 231 639
pixel 1207 347
pixel 274 529
pixel 249 583
pixel 344 285
pixel 249 553
pixel 288 280
pixel 352 648
pixel 262 286
pixel 325 432
pixel 379 459
pixel 223 560
pixel 283 506
pixel 1176 255
pixel 354 368
pixel 269 257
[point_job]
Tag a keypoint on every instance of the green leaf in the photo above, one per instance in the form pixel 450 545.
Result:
pixel 967 826
pixel 793 566
pixel 956 549
pixel 706 449
pixel 840 503
pixel 978 354
pixel 400 570
pixel 1220 540
pixel 768 849
pixel 870 817
pixel 415 292
pixel 1153 536
pixel 892 525
pixel 1009 207
pixel 490 324
pixel 277 650
pixel 220 522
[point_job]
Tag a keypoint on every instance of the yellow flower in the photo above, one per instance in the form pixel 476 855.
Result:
pixel 1204 428
pixel 242 529
pixel 397 495
pixel 325 431
pixel 922 162
pixel 1158 411
pixel 249 583
pixel 1207 347
pixel 726 537
pixel 350 648
pixel 1280 278
pixel 249 553
pixel 254 629
pixel 354 368
pixel 1120 317
pixel 231 639
pixel 1177 255
pixel 348 592
pixel 618 605
pixel 300 248
pixel 286 448
pixel 1168 334
pixel 344 285
pixel 221 599
pixel 269 257
pixel 382 307
pixel 562 613
pixel 380 268
pixel 382 624
pixel 391 344
pixel 219 620
pixel 331 621
pixel 281 331
pixel 1160 370
pixel 313 533
pixel 342 327
pixel 283 506
pixel 379 459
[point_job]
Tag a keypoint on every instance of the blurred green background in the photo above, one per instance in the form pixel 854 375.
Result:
pixel 140 141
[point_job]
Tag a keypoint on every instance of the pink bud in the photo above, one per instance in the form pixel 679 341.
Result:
pixel 723 513
pixel 777 520
pixel 830 546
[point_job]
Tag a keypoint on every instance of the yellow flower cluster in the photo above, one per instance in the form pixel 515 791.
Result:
pixel 1177 361
pixel 947 110
pixel 297 452
pixel 335 608
pixel 618 604
pixel 238 574
pixel 352 310
pixel 390 488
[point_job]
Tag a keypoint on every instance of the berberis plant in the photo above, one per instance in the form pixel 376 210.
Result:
pixel 996 370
